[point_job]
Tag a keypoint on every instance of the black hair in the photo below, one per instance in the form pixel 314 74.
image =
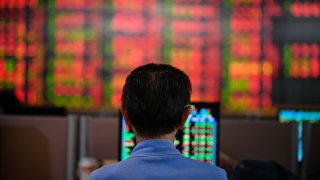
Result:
pixel 154 97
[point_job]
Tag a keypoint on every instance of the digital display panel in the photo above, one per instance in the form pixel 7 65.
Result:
pixel 299 116
pixel 77 54
pixel 197 140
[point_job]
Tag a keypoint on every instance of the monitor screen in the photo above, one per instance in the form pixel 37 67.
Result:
pixel 197 140
pixel 299 116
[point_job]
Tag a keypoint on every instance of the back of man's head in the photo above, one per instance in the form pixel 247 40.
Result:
pixel 154 98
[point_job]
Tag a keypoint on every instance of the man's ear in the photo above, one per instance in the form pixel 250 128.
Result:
pixel 125 115
pixel 185 114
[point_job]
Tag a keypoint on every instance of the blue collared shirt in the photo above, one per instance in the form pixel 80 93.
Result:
pixel 158 159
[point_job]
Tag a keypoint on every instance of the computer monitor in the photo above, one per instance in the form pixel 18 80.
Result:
pixel 299 116
pixel 197 140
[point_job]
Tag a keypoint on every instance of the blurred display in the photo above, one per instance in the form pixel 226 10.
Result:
pixel 75 65
pixel 299 116
pixel 77 53
pixel 247 74
pixel 22 49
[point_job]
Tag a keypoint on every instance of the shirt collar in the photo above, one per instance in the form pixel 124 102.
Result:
pixel 154 147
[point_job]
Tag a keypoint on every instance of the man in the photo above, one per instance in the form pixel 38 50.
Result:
pixel 155 101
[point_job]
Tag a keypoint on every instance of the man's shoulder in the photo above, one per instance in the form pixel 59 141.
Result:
pixel 204 168
pixel 106 172
pixel 119 170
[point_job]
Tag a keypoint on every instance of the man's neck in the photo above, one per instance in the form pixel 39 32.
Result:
pixel 169 137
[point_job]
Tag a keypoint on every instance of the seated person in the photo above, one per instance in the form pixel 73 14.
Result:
pixel 155 103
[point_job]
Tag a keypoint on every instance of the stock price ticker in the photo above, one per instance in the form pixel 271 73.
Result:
pixel 78 53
